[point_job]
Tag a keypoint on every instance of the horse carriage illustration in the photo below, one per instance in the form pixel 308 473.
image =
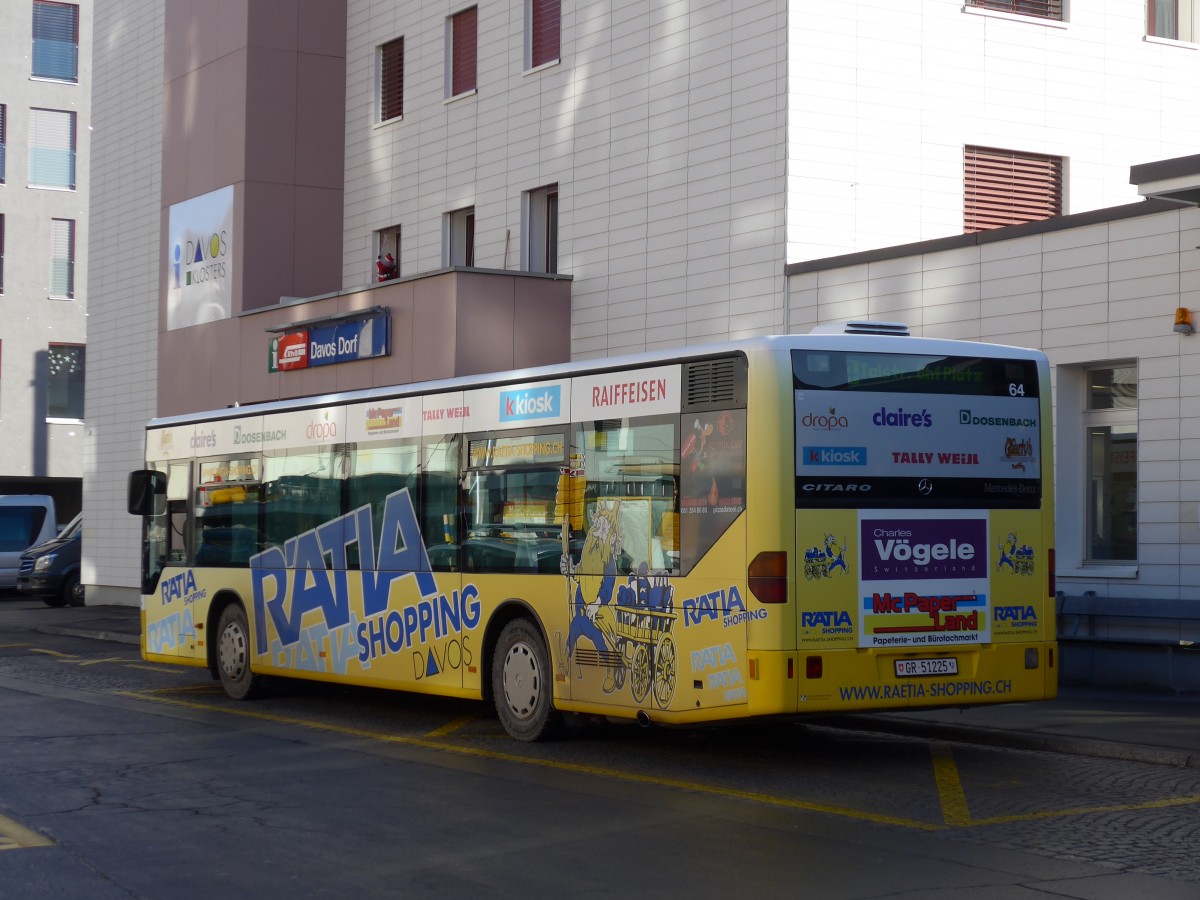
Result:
pixel 647 653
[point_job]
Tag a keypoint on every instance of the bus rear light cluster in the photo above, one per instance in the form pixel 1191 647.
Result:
pixel 814 667
pixel 767 576
pixel 1031 657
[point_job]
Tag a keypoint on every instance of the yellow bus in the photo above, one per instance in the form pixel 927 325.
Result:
pixel 777 526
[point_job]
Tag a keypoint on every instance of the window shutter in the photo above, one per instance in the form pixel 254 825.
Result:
pixel 1043 9
pixel 62 258
pixel 3 140
pixel 463 48
pixel 52 148
pixel 56 40
pixel 1004 187
pixel 546 18
pixel 391 87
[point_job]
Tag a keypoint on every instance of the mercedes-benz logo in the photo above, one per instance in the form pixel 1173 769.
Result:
pixel 925 487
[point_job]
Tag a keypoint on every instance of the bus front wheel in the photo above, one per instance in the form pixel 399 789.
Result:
pixel 522 684
pixel 233 654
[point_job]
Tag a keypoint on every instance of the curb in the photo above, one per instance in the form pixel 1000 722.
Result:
pixel 975 734
pixel 114 636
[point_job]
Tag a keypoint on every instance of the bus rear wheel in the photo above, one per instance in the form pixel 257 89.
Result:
pixel 233 654
pixel 522 685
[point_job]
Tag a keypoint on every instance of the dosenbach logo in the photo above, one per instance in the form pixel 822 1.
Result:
pixel 540 403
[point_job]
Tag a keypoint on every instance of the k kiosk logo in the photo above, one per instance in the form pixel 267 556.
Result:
pixel 531 403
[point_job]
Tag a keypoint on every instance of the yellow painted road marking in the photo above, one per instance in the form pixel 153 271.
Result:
pixel 53 653
pixel 174 670
pixel 950 790
pixel 5 646
pixel 954 806
pixel 111 659
pixel 14 835
pixel 558 765
pixel 451 727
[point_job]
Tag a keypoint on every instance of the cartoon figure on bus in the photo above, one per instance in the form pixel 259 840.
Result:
pixel 1018 559
pixel 591 594
pixel 821 562
pixel 630 638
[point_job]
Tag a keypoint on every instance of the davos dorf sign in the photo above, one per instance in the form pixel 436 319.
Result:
pixel 366 337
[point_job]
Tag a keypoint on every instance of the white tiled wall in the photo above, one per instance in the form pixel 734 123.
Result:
pixel 1090 295
pixel 663 126
pixel 883 96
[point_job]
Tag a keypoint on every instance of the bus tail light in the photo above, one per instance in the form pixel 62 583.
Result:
pixel 814 667
pixel 1050 567
pixel 767 575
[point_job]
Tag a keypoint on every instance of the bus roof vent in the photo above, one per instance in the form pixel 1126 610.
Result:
pixel 863 327
pixel 714 383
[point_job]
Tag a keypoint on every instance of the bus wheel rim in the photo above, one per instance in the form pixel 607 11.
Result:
pixel 233 651
pixel 522 681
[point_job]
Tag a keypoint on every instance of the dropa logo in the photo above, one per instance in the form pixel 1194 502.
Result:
pixel 541 403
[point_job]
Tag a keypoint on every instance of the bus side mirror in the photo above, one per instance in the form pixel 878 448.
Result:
pixel 144 486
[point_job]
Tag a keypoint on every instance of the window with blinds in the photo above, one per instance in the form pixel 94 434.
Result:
pixel 545 18
pixel 55 40
pixel 1043 9
pixel 391 80
pixel 1005 187
pixel 51 148
pixel 62 258
pixel 463 46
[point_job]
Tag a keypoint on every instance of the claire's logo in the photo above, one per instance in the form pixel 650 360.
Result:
pixel 538 403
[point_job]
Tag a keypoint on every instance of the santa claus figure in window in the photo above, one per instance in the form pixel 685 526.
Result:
pixel 386 268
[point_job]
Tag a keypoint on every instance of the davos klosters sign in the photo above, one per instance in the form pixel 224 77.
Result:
pixel 201 259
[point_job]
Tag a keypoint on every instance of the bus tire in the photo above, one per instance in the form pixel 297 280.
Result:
pixel 233 654
pixel 522 684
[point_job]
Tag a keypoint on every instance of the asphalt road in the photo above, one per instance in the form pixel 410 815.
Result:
pixel 123 779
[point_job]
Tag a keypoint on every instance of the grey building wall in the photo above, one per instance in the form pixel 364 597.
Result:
pixel 39 455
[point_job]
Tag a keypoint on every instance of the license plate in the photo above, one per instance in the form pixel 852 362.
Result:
pixel 942 665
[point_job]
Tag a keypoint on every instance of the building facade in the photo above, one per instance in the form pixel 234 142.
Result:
pixel 524 181
pixel 45 118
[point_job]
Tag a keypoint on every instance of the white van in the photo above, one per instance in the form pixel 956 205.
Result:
pixel 26 520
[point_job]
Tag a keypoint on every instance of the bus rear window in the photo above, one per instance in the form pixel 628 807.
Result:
pixel 911 430
pixel 905 373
